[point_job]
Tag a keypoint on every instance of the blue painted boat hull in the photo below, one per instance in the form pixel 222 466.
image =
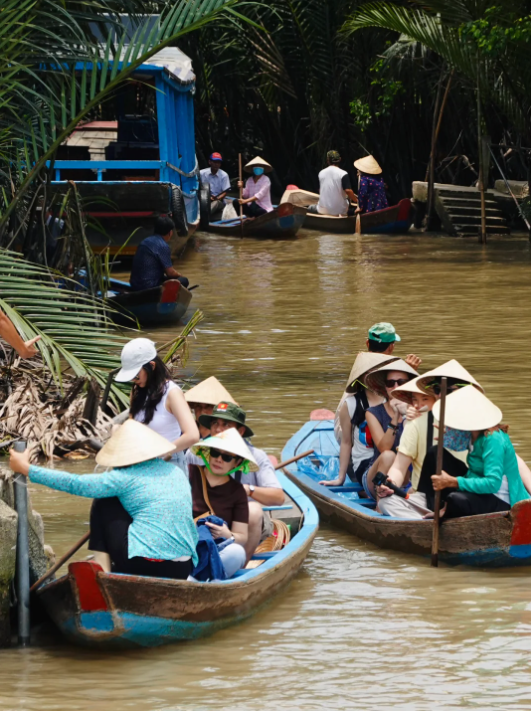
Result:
pixel 491 540
pixel 102 610
pixel 285 221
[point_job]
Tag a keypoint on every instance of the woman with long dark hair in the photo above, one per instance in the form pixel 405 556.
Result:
pixel 156 400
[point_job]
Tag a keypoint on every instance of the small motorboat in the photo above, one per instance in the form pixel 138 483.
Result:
pixel 284 221
pixel 110 610
pixel 151 307
pixel 391 220
pixel 487 540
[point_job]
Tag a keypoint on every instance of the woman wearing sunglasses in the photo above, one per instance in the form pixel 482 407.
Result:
pixel 215 492
pixel 156 401
pixel 385 421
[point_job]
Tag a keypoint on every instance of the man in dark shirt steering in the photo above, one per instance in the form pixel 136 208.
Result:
pixel 152 263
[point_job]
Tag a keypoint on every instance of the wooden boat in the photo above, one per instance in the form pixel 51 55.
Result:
pixel 151 307
pixel 490 540
pixel 107 610
pixel 284 221
pixel 392 220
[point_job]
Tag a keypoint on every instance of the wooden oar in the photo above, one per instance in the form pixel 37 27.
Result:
pixel 86 536
pixel 437 506
pixel 240 171
pixel 61 561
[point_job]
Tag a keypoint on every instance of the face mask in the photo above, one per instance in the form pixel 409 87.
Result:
pixel 258 171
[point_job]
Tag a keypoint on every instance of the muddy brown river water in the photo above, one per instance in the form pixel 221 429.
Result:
pixel 359 628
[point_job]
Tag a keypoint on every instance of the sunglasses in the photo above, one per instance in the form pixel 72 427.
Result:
pixel 391 383
pixel 215 454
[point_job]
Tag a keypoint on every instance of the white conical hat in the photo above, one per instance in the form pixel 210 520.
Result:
pixel 258 162
pixel 375 379
pixel 450 369
pixel 368 164
pixel 132 443
pixel 229 441
pixel 365 362
pixel 468 409
pixel 404 392
pixel 209 392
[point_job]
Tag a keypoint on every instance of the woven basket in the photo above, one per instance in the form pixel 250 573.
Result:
pixel 281 537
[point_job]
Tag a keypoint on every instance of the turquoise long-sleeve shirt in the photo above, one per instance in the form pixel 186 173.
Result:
pixel 492 457
pixel 157 496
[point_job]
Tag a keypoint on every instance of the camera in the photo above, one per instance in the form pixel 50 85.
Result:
pixel 382 479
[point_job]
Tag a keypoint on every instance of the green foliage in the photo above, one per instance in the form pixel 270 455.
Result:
pixel 361 114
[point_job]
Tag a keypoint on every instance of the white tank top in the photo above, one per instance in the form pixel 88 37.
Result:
pixel 332 198
pixel 163 421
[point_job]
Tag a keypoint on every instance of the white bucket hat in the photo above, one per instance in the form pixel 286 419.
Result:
pixel 209 392
pixel 134 355
pixel 229 441
pixel 133 443
pixel 364 363
pixel 468 409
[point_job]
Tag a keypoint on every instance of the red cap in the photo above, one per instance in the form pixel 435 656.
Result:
pixel 216 156
pixel 292 187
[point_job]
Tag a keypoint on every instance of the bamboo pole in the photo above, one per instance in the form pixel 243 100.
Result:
pixel 481 176
pixel 240 173
pixel 440 448
pixel 430 173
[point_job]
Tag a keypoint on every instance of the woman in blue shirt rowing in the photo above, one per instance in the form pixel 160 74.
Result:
pixel 141 520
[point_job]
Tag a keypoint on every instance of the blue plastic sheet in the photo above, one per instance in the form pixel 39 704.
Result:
pixel 320 467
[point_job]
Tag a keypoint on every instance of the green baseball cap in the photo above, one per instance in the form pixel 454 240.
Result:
pixel 227 411
pixel 383 333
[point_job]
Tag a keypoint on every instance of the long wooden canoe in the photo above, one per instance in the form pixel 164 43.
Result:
pixel 109 610
pixel 284 221
pixel 392 220
pixel 163 304
pixel 491 540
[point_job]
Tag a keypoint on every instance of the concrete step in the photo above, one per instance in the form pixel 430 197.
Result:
pixel 474 229
pixel 451 200
pixel 468 210
pixel 476 220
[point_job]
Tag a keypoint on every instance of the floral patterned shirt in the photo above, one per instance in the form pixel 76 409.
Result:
pixel 371 193
pixel 157 496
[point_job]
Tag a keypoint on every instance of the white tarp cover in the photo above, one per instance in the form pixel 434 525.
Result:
pixel 176 62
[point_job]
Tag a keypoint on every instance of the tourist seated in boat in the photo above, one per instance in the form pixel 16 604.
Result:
pixel 356 446
pixel 385 421
pixel 490 480
pixel 371 190
pixel 256 198
pixel 420 437
pixel 219 182
pixel 382 338
pixel 262 486
pixel 152 263
pixel 216 492
pixel 156 400
pixel 335 190
pixel 141 519
pixel 202 399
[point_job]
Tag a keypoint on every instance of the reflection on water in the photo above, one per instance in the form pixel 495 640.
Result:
pixel 359 627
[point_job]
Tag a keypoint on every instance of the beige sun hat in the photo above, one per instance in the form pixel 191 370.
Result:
pixel 375 379
pixel 209 392
pixel 229 441
pixel 468 409
pixel 132 443
pixel 258 162
pixel 364 363
pixel 368 164
pixel 450 369
pixel 405 392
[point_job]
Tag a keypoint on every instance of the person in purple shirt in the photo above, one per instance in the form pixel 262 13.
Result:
pixel 152 262
pixel 371 193
pixel 256 199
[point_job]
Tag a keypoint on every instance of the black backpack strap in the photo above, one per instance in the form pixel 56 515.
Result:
pixel 362 405
pixel 429 436
pixel 238 477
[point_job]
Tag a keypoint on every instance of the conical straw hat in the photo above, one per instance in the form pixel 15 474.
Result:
pixel 451 369
pixel 368 164
pixel 132 443
pixel 227 441
pixel 258 162
pixel 468 409
pixel 375 379
pixel 363 364
pixel 209 392
pixel 405 392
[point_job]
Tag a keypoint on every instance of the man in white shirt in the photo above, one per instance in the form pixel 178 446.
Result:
pixel 262 487
pixel 219 183
pixel 335 190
